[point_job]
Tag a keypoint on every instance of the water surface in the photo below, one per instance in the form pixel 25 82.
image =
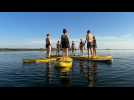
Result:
pixel 13 73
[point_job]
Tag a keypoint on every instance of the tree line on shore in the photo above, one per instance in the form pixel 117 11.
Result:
pixel 32 49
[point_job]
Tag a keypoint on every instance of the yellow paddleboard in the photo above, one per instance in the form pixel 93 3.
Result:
pixel 67 62
pixel 45 60
pixel 95 58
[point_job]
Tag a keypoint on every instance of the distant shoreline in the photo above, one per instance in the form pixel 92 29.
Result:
pixel 41 49
pixel 21 49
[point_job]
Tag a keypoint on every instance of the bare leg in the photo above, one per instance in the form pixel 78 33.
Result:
pixel 63 53
pixel 49 51
pixel 58 52
pixel 91 51
pixel 88 52
pixel 72 51
pixel 95 51
pixel 66 52
pixel 82 52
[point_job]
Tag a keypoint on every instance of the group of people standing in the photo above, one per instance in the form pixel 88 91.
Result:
pixel 64 44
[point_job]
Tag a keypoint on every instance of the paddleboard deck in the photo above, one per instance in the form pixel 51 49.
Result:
pixel 40 60
pixel 68 60
pixel 64 62
pixel 95 58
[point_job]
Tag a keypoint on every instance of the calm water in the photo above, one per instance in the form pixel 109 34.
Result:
pixel 13 73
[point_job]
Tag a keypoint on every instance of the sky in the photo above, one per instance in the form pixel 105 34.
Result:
pixel 113 30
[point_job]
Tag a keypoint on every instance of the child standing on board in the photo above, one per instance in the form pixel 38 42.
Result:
pixel 73 48
pixel 48 45
pixel 81 46
pixel 94 46
pixel 58 47
pixel 89 38
pixel 65 43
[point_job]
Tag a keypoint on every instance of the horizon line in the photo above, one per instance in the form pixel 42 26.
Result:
pixel 76 49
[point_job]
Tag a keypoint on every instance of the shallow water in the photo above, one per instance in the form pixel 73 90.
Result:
pixel 13 73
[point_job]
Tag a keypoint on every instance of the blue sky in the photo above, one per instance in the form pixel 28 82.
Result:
pixel 113 30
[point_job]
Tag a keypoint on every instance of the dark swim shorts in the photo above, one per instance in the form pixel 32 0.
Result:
pixel 89 45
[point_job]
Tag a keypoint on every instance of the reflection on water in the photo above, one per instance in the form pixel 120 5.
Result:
pixel 92 74
pixel 65 79
pixel 49 73
pixel 89 72
pixel 65 76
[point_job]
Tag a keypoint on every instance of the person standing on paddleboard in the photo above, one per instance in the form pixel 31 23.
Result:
pixel 58 47
pixel 81 46
pixel 84 45
pixel 48 45
pixel 73 48
pixel 89 38
pixel 65 43
pixel 94 46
